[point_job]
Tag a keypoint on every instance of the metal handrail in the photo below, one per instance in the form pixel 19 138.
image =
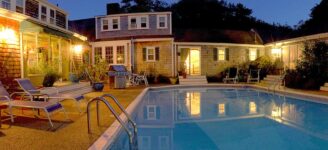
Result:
pixel 123 110
pixel 132 137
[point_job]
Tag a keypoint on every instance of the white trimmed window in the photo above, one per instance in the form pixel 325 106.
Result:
pixel 109 54
pixel 20 6
pixel 52 16
pixel 161 21
pixel 120 55
pixel 104 25
pixel 151 54
pixel 115 23
pixel 5 4
pixel 143 22
pixel 44 13
pixel 163 143
pixel 252 54
pixel 98 52
pixel 144 142
pixel 221 109
pixel 133 23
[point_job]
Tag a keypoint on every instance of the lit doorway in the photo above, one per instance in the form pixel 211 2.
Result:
pixel 190 61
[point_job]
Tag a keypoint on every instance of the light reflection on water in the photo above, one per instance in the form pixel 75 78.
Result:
pixel 208 118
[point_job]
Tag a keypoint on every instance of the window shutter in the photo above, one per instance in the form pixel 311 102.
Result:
pixel 157 53
pixel 257 53
pixel 144 54
pixel 227 54
pixel 158 112
pixel 145 113
pixel 215 54
pixel 247 55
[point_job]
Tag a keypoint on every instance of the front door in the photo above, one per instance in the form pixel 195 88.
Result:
pixel 193 62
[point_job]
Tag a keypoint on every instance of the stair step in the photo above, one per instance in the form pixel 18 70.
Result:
pixel 194 80
pixel 324 88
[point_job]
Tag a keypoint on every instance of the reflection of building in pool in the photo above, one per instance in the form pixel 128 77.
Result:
pixel 176 111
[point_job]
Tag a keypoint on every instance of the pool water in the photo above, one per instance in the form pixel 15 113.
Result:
pixel 226 119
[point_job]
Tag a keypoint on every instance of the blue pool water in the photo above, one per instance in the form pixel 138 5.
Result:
pixel 226 119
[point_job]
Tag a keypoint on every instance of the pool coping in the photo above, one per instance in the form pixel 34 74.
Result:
pixel 107 138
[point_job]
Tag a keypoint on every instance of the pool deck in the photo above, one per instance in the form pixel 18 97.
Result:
pixel 30 133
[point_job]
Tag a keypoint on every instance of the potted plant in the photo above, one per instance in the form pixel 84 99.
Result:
pixel 173 80
pixel 98 72
pixel 50 78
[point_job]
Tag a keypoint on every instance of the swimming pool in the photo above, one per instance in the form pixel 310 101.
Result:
pixel 226 118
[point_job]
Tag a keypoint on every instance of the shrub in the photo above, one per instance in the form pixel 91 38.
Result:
pixel 163 79
pixel 311 71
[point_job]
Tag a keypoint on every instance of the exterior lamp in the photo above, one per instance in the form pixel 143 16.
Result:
pixel 78 49
pixel 8 36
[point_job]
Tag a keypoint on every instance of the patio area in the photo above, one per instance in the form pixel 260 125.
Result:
pixel 30 133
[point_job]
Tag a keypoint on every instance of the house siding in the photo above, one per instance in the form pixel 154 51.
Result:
pixel 161 67
pixel 125 32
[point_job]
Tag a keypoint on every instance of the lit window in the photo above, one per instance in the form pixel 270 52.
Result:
pixel 252 108
pixel 252 54
pixel 5 4
pixel 98 53
pixel 143 22
pixel 276 53
pixel 109 55
pixel 133 23
pixel 151 54
pixel 221 54
pixel 120 55
pixel 19 6
pixel 52 16
pixel 162 21
pixel 221 109
pixel 105 25
pixel 44 13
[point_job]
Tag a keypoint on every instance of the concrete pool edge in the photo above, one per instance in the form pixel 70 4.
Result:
pixel 107 138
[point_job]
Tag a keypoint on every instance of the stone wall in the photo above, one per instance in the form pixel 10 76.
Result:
pixel 161 67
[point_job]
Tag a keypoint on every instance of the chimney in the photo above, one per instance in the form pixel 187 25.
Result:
pixel 113 8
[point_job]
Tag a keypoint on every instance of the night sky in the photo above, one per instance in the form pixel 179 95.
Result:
pixel 288 12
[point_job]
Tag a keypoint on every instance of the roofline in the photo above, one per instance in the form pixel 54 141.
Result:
pixel 299 39
pixel 134 14
pixel 12 15
pixel 221 44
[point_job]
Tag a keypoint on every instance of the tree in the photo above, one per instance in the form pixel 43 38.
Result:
pixel 132 6
pixel 318 21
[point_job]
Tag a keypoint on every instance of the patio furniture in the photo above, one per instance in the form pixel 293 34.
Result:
pixel 142 77
pixel 6 101
pixel 49 93
pixel 232 75
pixel 254 75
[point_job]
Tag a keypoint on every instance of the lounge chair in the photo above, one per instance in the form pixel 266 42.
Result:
pixel 254 75
pixel 48 107
pixel 232 75
pixel 48 94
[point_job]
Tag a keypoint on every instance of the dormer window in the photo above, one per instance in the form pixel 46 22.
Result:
pixel 161 21
pixel 115 24
pixel 52 16
pixel 144 22
pixel 105 26
pixel 133 23
pixel 5 4
pixel 44 13
pixel 19 6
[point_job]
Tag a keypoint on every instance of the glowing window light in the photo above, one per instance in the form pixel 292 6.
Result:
pixel 193 103
pixel 78 49
pixel 276 52
pixel 252 108
pixel 221 109
pixel 8 36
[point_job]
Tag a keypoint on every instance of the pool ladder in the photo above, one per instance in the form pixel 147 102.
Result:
pixel 133 142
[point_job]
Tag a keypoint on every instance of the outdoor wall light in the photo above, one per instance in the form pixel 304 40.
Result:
pixel 78 49
pixel 8 36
